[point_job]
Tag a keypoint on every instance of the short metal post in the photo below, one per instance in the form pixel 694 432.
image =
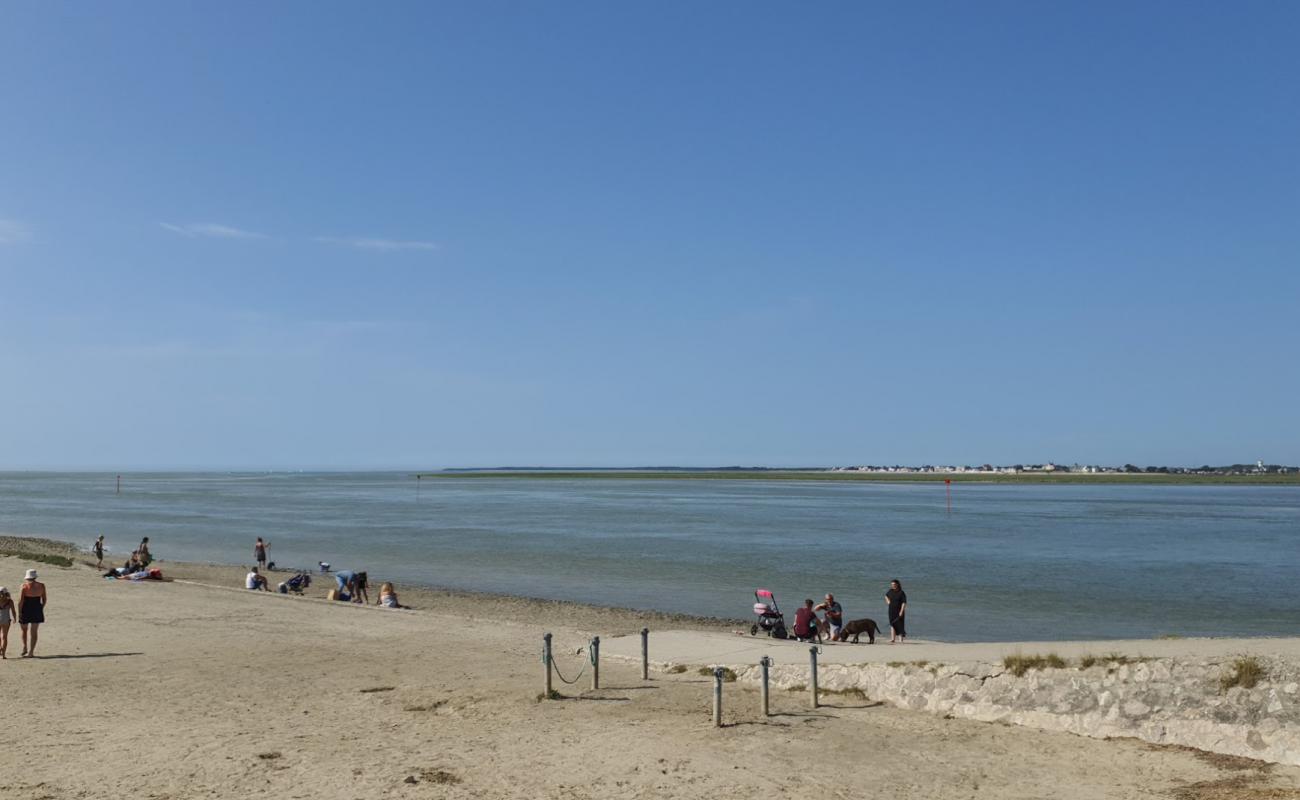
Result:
pixel 594 649
pixel 546 662
pixel 764 662
pixel 812 682
pixel 645 654
pixel 717 697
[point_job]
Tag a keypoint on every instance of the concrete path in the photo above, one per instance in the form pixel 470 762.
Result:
pixel 704 648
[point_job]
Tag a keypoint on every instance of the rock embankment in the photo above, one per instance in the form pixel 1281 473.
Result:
pixel 1163 701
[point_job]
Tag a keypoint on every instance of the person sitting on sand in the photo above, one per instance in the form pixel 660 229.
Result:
pixel 834 615
pixel 388 596
pixel 806 624
pixel 7 613
pixel 255 581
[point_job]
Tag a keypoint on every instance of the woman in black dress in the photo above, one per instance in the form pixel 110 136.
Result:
pixel 896 599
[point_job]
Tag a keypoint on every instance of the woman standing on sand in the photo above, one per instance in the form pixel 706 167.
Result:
pixel 896 599
pixel 259 553
pixel 99 552
pixel 7 613
pixel 31 611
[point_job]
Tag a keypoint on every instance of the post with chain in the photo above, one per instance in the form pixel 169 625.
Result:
pixel 765 663
pixel 594 650
pixel 717 697
pixel 812 678
pixel 645 654
pixel 546 662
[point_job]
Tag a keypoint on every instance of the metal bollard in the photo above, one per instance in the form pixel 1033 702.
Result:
pixel 594 649
pixel 717 697
pixel 764 662
pixel 645 654
pixel 546 662
pixel 812 683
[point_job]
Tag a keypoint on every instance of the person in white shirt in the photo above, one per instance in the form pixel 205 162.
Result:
pixel 255 581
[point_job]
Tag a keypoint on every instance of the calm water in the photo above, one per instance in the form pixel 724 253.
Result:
pixel 1010 562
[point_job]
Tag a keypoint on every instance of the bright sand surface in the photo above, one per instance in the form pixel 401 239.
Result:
pixel 179 690
pixel 713 647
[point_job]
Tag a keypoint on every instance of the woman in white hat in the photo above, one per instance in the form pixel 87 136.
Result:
pixel 7 614
pixel 31 611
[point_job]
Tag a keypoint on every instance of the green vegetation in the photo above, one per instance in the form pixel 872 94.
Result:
pixel 1087 661
pixel 551 695
pixel 1289 478
pixel 1246 673
pixel 1119 659
pixel 798 687
pixel 43 558
pixel 1018 665
pixel 676 669
pixel 853 693
pixel 728 674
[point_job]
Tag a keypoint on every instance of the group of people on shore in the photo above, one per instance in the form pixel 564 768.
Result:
pixel 28 610
pixel 808 626
pixel 350 585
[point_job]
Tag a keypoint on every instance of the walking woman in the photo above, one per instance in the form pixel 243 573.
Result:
pixel 259 553
pixel 31 611
pixel 7 613
pixel 896 599
pixel 99 553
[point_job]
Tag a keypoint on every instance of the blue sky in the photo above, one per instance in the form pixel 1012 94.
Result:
pixel 340 235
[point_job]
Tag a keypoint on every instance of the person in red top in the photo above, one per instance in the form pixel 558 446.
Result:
pixel 805 623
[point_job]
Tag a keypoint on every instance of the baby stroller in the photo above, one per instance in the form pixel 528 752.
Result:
pixel 296 584
pixel 770 618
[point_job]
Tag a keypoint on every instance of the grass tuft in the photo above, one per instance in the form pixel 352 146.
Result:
pixel 1087 661
pixel 1018 665
pixel 439 776
pixel 676 669
pixel 852 692
pixel 1246 672
pixel 43 558
pixel 551 695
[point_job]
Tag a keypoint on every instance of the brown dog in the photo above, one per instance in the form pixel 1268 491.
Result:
pixel 857 627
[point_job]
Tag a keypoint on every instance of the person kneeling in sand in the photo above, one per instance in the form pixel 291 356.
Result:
pixel 255 581
pixel 388 596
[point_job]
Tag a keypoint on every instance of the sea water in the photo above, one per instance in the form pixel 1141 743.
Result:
pixel 1010 562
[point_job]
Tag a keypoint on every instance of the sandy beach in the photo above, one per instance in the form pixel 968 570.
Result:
pixel 190 689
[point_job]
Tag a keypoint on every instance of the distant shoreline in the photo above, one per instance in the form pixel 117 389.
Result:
pixel 1151 479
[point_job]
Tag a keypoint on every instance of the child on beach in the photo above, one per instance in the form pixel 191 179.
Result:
pixel 7 613
pixel 388 596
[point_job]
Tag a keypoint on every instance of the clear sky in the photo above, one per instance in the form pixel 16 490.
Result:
pixel 251 234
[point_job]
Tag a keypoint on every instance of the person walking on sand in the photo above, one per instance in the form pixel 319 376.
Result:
pixel 259 553
pixel 7 613
pixel 99 552
pixel 31 611
pixel 896 599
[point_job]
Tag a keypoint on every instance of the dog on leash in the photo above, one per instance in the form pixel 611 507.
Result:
pixel 857 627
